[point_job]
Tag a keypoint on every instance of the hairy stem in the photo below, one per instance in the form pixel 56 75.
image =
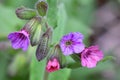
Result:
pixel 46 74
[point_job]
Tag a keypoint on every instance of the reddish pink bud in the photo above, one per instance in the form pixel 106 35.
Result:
pixel 53 65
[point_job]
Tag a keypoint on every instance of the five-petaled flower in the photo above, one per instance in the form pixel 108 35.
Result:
pixel 90 56
pixel 52 65
pixel 19 39
pixel 72 43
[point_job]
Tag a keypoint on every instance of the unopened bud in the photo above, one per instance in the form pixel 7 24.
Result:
pixel 56 53
pixel 43 47
pixel 42 7
pixel 25 13
pixel 53 65
pixel 34 28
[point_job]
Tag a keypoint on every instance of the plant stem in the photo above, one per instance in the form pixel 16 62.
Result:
pixel 46 74
pixel 73 65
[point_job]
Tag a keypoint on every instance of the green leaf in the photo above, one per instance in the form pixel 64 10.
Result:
pixel 108 58
pixel 18 3
pixel 37 68
pixel 59 30
pixel 17 64
pixel 4 65
pixel 52 13
pixel 62 74
pixel 74 65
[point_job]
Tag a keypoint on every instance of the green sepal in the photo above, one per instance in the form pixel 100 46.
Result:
pixel 34 28
pixel 75 57
pixel 43 47
pixel 25 13
pixel 42 7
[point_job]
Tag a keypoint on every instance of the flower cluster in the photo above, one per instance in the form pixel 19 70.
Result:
pixel 72 43
pixel 36 32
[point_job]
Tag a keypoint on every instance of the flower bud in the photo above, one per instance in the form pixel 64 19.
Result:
pixel 56 60
pixel 25 13
pixel 53 65
pixel 42 7
pixel 43 47
pixel 34 28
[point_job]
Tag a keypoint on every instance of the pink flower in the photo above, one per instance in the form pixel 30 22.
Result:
pixel 53 65
pixel 90 56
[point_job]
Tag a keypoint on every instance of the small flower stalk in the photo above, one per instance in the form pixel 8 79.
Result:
pixel 43 47
pixel 72 43
pixel 25 13
pixel 91 56
pixel 42 7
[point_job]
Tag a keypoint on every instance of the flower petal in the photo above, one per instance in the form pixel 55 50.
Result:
pixel 88 62
pixel 67 51
pixel 77 36
pixel 97 56
pixel 77 48
pixel 91 63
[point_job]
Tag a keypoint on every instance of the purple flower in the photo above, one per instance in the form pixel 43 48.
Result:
pixel 72 43
pixel 90 56
pixel 19 39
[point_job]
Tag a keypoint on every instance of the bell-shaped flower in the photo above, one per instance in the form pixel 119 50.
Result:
pixel 19 39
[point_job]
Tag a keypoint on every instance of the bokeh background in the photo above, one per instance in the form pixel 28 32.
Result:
pixel 98 20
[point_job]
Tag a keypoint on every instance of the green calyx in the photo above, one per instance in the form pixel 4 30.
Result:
pixel 42 7
pixel 25 13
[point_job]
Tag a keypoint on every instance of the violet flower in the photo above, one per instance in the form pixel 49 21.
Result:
pixel 53 65
pixel 72 43
pixel 90 56
pixel 19 39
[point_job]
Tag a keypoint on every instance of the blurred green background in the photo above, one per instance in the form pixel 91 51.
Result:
pixel 96 19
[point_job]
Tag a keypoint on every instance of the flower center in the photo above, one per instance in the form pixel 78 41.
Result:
pixel 68 43
pixel 88 53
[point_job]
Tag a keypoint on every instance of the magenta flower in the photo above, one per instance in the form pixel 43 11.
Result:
pixel 52 65
pixel 90 56
pixel 19 39
pixel 72 43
